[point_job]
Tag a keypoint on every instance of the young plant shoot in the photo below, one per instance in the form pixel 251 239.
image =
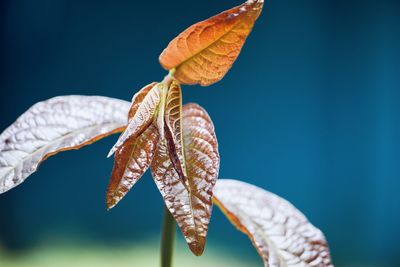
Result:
pixel 177 142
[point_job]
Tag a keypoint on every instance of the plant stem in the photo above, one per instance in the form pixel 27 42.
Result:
pixel 167 239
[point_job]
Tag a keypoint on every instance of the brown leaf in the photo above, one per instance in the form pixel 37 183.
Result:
pixel 144 115
pixel 204 52
pixel 58 124
pixel 173 119
pixel 131 160
pixel 161 111
pixel 281 234
pixel 137 99
pixel 190 205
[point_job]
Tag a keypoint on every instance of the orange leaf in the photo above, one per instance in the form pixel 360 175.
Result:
pixel 131 160
pixel 281 234
pixel 204 52
pixel 58 124
pixel 190 204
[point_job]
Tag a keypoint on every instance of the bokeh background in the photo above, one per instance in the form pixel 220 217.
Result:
pixel 309 111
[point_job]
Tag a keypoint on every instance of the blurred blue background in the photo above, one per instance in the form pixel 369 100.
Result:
pixel 309 111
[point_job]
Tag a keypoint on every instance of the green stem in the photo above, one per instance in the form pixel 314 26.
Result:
pixel 167 239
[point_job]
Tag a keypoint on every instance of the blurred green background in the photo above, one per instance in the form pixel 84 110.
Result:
pixel 310 111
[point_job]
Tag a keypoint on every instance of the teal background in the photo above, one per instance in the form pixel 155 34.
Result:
pixel 309 111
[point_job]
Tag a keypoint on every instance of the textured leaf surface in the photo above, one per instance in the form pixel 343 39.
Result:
pixel 141 119
pixel 190 203
pixel 163 87
pixel 58 124
pixel 173 119
pixel 204 52
pixel 131 160
pixel 138 98
pixel 281 234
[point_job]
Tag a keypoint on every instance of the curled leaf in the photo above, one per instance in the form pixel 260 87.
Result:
pixel 173 119
pixel 281 234
pixel 131 160
pixel 161 111
pixel 204 52
pixel 58 124
pixel 191 203
pixel 138 98
pixel 141 119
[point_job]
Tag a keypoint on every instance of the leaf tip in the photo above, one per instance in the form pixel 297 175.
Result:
pixel 111 152
pixel 112 197
pixel 197 247
pixel 111 201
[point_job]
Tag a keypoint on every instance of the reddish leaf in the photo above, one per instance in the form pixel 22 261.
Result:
pixel 204 52
pixel 173 119
pixel 58 124
pixel 141 119
pixel 138 98
pixel 190 204
pixel 131 160
pixel 281 234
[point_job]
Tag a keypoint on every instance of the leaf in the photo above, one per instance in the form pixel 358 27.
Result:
pixel 161 111
pixel 190 205
pixel 142 118
pixel 204 52
pixel 58 124
pixel 173 119
pixel 131 160
pixel 137 99
pixel 281 234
